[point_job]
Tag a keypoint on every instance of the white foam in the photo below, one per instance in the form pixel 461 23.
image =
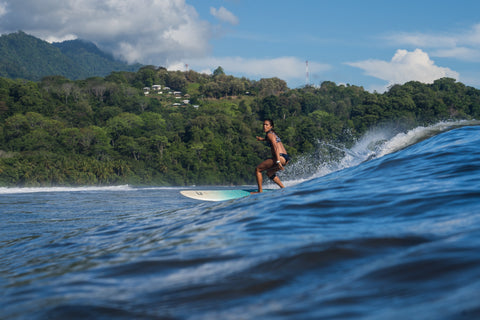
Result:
pixel 406 139
pixel 376 143
pixel 16 190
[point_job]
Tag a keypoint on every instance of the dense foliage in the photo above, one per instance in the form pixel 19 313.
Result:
pixel 109 131
pixel 23 56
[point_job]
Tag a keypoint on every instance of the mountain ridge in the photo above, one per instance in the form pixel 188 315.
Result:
pixel 23 56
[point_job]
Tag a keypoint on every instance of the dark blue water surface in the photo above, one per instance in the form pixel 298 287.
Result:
pixel 395 237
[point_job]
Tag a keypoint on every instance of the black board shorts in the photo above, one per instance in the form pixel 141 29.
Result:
pixel 285 156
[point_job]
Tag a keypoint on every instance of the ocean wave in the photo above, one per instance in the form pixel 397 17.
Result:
pixel 391 237
pixel 375 143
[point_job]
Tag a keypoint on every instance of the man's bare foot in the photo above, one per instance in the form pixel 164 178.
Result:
pixel 255 192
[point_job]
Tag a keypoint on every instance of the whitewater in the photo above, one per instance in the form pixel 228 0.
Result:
pixel 389 230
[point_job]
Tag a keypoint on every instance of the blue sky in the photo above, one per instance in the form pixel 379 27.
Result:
pixel 372 44
pixel 340 38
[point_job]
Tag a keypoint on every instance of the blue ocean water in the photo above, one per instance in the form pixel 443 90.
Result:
pixel 391 231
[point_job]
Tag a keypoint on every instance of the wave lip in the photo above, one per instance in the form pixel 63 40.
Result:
pixel 376 143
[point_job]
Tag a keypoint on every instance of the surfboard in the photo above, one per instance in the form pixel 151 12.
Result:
pixel 216 195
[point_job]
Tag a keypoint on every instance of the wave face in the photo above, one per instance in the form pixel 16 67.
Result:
pixel 391 231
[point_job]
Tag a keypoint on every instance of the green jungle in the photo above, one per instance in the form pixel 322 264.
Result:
pixel 159 127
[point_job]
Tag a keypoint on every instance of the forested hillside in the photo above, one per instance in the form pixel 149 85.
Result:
pixel 176 128
pixel 23 56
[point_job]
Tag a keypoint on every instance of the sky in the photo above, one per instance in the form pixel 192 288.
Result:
pixel 370 43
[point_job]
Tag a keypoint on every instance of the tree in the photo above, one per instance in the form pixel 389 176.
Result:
pixel 176 80
pixel 219 71
pixel 159 143
pixel 107 131
pixel 124 124
pixel 271 86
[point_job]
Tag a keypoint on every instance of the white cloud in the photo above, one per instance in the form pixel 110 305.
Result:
pixel 3 8
pixel 147 31
pixel 160 32
pixel 473 36
pixel 405 66
pixel 66 37
pixel 464 53
pixel 224 15
pixel 463 45
pixel 422 40
pixel 285 68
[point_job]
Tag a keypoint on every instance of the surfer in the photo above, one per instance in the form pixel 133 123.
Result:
pixel 279 156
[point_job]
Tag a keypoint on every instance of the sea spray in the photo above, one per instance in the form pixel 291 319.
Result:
pixel 377 142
